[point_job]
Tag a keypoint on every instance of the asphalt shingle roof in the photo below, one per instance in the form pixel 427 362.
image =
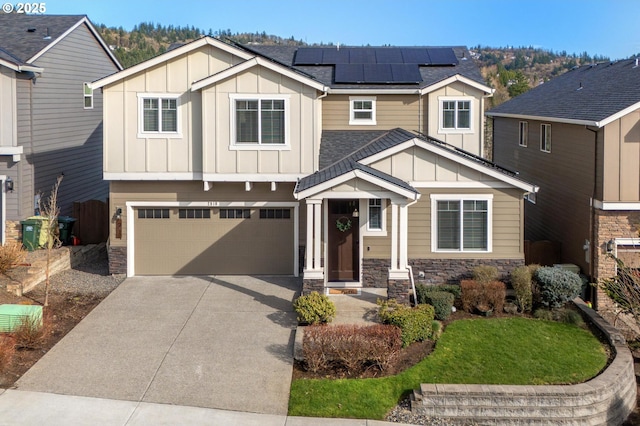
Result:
pixel 18 44
pixel 590 93
pixel 325 73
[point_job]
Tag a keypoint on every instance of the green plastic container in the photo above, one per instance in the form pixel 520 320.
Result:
pixel 31 233
pixel 13 316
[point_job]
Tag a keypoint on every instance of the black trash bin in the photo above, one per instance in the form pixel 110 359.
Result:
pixel 65 225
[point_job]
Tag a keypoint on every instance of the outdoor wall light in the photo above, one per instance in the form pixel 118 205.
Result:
pixel 611 245
pixel 118 212
pixel 355 213
pixel 9 184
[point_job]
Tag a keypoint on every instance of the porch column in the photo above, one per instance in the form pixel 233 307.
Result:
pixel 394 236
pixel 404 235
pixel 399 231
pixel 317 222
pixel 308 265
pixel 312 268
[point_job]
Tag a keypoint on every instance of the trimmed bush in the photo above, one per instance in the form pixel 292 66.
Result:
pixel 477 295
pixel 350 346
pixel 423 289
pixel 485 274
pixel 442 302
pixel 567 316
pixel 415 323
pixel 436 330
pixel 471 294
pixel 521 282
pixel 557 286
pixel 494 295
pixel 314 308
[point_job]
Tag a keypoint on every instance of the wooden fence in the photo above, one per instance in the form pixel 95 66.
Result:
pixel 545 253
pixel 92 221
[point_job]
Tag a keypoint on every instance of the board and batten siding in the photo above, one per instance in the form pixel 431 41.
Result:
pixel 565 177
pixel 125 152
pixel 298 158
pixel 622 159
pixel 65 137
pixel 471 141
pixel 8 107
pixel 391 111
pixel 188 191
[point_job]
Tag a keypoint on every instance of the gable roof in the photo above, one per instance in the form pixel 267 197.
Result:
pixel 391 142
pixel 465 68
pixel 592 95
pixel 24 38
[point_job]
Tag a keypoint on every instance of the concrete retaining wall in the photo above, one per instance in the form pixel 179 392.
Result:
pixel 607 399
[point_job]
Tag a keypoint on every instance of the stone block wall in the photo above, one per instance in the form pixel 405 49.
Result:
pixel 375 272
pixel 309 285
pixel 399 290
pixel 604 400
pixel 451 271
pixel 13 230
pixel 117 260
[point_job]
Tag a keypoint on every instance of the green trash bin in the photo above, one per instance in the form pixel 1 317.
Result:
pixel 65 224
pixel 31 233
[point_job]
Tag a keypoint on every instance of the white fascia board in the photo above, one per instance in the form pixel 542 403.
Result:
pixel 21 68
pixel 212 203
pixel 168 56
pixel 169 176
pixel 544 119
pixel 486 89
pixel 462 184
pixel 250 64
pixel 255 177
pixel 619 114
pixel 449 154
pixel 615 205
pixel 355 174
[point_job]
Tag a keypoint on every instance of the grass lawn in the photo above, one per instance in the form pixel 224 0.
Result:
pixel 517 351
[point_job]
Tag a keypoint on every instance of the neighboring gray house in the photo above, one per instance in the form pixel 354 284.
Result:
pixel 51 124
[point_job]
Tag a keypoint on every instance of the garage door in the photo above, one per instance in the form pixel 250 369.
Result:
pixel 207 241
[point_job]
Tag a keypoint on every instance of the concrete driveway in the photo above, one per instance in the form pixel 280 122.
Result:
pixel 221 342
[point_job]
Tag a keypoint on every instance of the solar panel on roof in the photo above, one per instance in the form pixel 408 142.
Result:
pixel 389 56
pixel 308 56
pixel 377 73
pixel 362 56
pixel 349 73
pixel 406 73
pixel 335 56
pixel 415 56
pixel 442 56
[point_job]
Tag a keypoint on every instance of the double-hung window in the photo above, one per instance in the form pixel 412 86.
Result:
pixel 259 121
pixel 455 114
pixel 362 110
pixel 375 215
pixel 88 96
pixel 523 133
pixel 545 137
pixel 461 223
pixel 159 115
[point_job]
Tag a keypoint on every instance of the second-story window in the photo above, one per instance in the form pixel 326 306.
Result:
pixel 88 96
pixel 259 121
pixel 455 114
pixel 362 111
pixel 523 133
pixel 545 137
pixel 158 115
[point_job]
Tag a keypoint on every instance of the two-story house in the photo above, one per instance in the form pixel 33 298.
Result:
pixel 51 121
pixel 351 164
pixel 578 137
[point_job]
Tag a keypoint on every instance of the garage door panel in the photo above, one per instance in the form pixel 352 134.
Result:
pixel 214 245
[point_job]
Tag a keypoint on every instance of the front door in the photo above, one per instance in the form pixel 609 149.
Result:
pixel 344 262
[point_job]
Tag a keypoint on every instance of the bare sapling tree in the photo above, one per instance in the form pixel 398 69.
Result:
pixel 624 289
pixel 50 211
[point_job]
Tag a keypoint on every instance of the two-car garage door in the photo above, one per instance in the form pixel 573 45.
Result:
pixel 208 241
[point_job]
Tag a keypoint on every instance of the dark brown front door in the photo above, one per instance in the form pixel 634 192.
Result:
pixel 343 241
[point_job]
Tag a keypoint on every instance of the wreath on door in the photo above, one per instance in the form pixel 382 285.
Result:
pixel 343 224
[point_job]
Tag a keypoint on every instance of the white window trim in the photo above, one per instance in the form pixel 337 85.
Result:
pixel 531 197
pixel 526 134
pixel 441 100
pixel 542 137
pixel 362 121
pixel 86 86
pixel 364 209
pixel 233 97
pixel 158 135
pixel 460 197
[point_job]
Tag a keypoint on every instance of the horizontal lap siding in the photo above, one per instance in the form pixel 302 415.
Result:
pixel 391 111
pixel 66 137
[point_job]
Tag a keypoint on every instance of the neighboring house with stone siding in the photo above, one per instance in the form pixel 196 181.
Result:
pixel 51 122
pixel 578 137
pixel 345 164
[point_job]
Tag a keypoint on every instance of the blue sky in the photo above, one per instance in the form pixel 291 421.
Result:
pixel 602 27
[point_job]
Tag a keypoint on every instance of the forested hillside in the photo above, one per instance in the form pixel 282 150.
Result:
pixel 509 70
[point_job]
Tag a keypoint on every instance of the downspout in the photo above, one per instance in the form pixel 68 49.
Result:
pixel 409 268
pixel 592 237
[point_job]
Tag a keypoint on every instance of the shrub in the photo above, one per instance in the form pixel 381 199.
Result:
pixel 567 316
pixel 543 314
pixel 415 323
pixel 436 330
pixel 314 308
pixel 494 294
pixel 442 302
pixel 471 294
pixel 350 346
pixel 31 332
pixel 7 350
pixel 557 286
pixel 485 274
pixel 423 289
pixel 477 295
pixel 521 282
pixel 11 255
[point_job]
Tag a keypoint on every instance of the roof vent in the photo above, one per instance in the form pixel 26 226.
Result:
pixel 579 87
pixel 31 30
pixel 636 65
pixel 47 36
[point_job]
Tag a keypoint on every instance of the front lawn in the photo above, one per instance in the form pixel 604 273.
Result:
pixel 517 351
